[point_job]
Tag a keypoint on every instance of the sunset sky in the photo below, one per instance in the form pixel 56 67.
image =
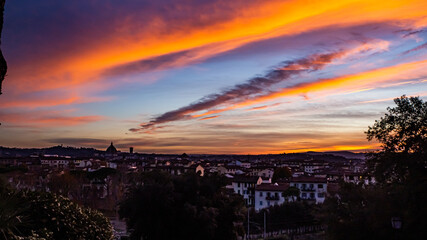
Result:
pixel 207 76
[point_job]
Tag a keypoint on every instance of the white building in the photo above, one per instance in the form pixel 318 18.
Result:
pixel 83 163
pixel 245 186
pixel 262 172
pixel 311 188
pixel 267 195
pixel 55 162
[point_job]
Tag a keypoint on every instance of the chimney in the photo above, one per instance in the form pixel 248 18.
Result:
pixel 131 150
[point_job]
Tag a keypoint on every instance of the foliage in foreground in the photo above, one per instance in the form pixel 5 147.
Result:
pixel 34 215
pixel 365 212
pixel 286 216
pixel 182 207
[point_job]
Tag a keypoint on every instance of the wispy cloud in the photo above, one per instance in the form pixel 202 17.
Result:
pixel 263 107
pixel 258 89
pixel 418 48
pixel 251 88
pixel 207 118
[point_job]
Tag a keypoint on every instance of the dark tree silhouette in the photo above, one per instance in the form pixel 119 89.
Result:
pixel 281 173
pixel 3 65
pixel 402 133
pixel 365 212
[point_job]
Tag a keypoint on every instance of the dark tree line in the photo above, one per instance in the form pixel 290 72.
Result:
pixel 182 207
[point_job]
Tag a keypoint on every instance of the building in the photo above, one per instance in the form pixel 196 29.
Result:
pixel 262 171
pixel 312 189
pixel 267 195
pixel 57 162
pixel 245 186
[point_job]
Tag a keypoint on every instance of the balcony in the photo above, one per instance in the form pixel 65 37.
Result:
pixel 307 189
pixel 273 198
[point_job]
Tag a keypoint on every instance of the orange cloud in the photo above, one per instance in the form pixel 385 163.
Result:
pixel 341 84
pixel 254 22
pixel 207 118
pixel 45 119
pixel 263 107
pixel 47 100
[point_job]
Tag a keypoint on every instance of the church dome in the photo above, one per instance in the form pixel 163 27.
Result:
pixel 111 149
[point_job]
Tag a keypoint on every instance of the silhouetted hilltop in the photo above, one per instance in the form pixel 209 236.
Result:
pixel 56 150
pixel 348 154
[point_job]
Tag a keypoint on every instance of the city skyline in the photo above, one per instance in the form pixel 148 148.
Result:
pixel 208 76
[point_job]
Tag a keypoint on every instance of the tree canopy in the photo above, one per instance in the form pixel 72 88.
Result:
pixel 182 207
pixel 365 212
pixel 402 133
pixel 403 128
pixel 281 173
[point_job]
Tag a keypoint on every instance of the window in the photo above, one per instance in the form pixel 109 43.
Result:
pixel 312 195
pixel 304 195
pixel 268 203
pixel 276 195
pixel 311 186
pixel 238 191
pixel 321 195
pixel 319 185
pixel 260 203
pixel 268 194
pixel 304 186
pixel 238 184
pixel 260 194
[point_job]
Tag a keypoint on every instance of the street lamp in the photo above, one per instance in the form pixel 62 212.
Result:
pixel 396 223
pixel 265 222
pixel 264 225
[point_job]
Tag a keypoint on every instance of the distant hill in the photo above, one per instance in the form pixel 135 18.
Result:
pixel 56 150
pixel 348 154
